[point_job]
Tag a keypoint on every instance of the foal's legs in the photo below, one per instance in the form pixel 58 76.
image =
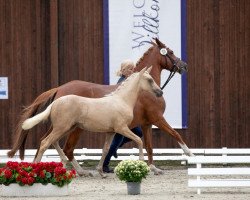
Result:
pixel 163 125
pixel 44 136
pixel 75 164
pixel 68 150
pixel 147 133
pixel 53 137
pixel 56 146
pixel 60 152
pixel 128 133
pixel 108 140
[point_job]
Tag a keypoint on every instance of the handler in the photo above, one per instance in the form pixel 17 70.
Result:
pixel 126 69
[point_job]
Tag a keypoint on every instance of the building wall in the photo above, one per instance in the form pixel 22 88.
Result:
pixel 44 44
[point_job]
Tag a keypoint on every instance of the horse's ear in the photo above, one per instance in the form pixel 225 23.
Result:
pixel 153 41
pixel 158 42
pixel 149 69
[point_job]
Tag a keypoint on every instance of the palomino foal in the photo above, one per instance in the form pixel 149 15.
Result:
pixel 109 114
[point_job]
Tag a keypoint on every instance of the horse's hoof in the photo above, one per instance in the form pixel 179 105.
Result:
pixel 189 154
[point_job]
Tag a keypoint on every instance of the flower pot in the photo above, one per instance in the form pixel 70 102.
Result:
pixel 37 189
pixel 134 188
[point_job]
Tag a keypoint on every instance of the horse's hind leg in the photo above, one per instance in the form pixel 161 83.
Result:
pixel 71 142
pixel 108 140
pixel 163 125
pixel 147 134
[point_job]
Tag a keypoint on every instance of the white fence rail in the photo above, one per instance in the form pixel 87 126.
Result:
pixel 95 154
pixel 203 157
pixel 238 176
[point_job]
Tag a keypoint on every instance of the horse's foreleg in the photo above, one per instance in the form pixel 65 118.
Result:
pixel 163 125
pixel 108 140
pixel 71 142
pixel 147 134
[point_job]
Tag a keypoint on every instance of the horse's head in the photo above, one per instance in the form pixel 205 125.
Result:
pixel 168 60
pixel 147 82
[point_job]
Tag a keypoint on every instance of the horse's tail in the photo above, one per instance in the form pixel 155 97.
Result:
pixel 40 102
pixel 31 122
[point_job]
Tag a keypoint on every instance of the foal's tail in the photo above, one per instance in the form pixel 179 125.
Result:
pixel 42 101
pixel 31 122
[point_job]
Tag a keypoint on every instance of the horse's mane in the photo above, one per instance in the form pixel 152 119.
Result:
pixel 123 84
pixel 145 54
pixel 137 63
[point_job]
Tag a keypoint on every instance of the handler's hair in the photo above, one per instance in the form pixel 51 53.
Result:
pixel 124 65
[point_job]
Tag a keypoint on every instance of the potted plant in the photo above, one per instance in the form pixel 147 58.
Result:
pixel 35 179
pixel 132 172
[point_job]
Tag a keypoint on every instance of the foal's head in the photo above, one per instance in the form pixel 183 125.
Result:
pixel 147 82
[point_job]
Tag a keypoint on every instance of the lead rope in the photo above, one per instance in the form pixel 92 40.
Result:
pixel 169 78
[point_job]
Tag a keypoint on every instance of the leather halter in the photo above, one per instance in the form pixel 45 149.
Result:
pixel 174 69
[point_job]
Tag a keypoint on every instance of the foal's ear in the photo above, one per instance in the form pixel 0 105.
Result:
pixel 149 69
pixel 142 71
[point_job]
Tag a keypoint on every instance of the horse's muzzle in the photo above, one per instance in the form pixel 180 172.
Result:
pixel 182 67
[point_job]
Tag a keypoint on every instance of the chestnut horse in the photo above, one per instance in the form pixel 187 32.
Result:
pixel 109 114
pixel 148 110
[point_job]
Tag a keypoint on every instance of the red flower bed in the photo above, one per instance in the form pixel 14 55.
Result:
pixel 25 173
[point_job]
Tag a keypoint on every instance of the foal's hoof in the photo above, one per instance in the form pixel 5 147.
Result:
pixel 156 170
pixel 100 171
pixel 103 175
pixel 90 174
pixel 85 173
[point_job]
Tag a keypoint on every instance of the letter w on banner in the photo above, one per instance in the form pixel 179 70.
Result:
pixel 129 26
